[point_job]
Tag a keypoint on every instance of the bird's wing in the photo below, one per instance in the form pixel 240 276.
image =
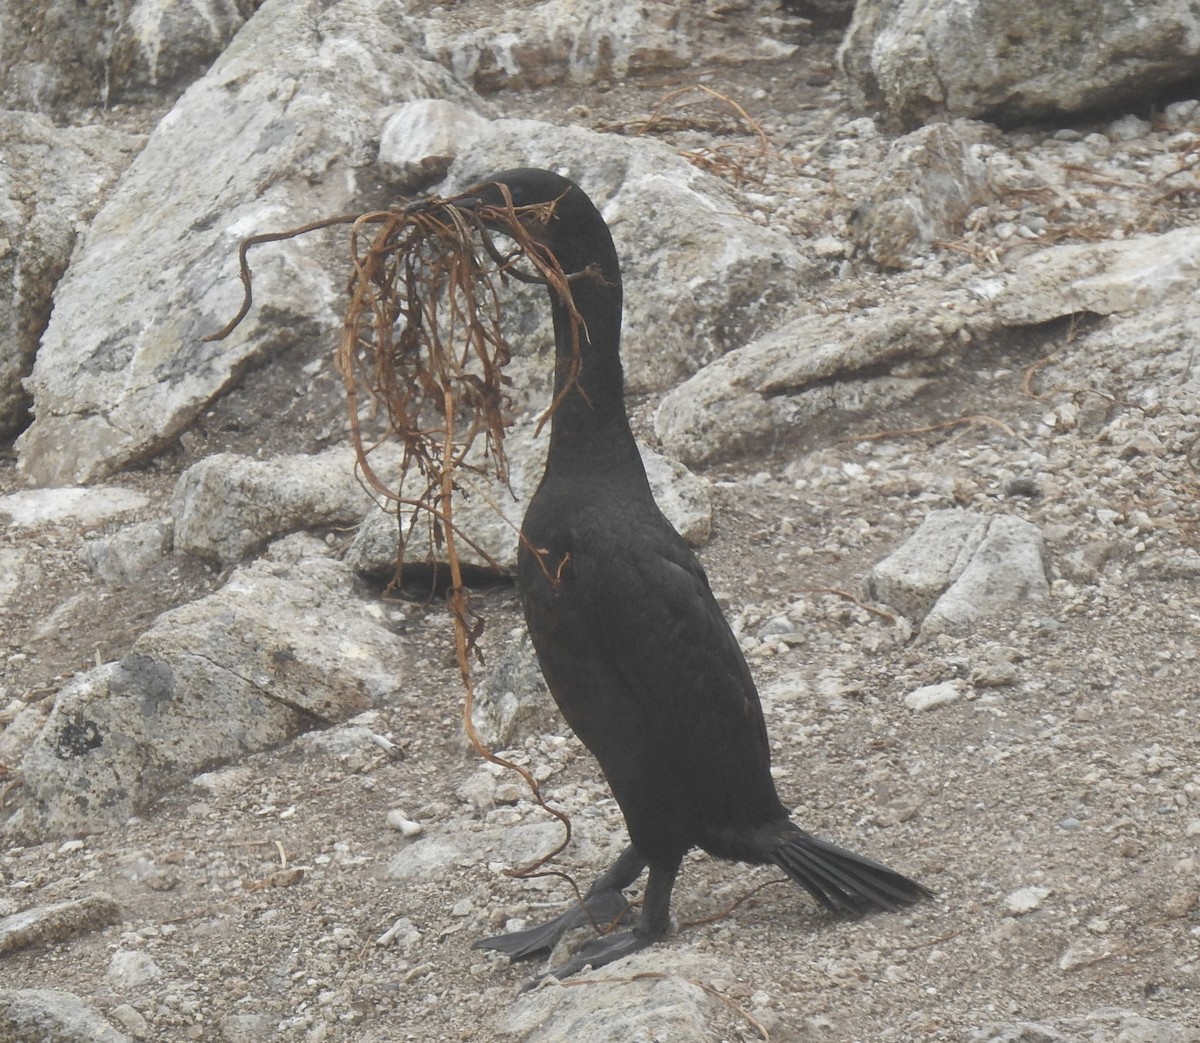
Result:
pixel 656 622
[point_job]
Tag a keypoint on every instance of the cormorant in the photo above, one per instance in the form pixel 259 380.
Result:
pixel 632 643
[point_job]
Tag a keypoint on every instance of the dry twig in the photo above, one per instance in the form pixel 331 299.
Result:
pixel 422 341
pixel 736 162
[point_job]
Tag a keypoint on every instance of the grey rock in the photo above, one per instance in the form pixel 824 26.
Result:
pixel 960 565
pixel 46 924
pixel 560 41
pixel 1184 565
pixel 463 843
pixel 584 42
pixel 19 570
pixel 512 702
pixel 72 507
pixel 227 506
pixel 822 12
pixel 52 181
pixel 914 576
pixel 666 1007
pixel 421 138
pixel 130 553
pixel 131 1020
pixel 1026 60
pixel 61 55
pixel 929 182
pixel 123 367
pixel 21 730
pixel 1137 275
pixel 131 969
pixel 249 1028
pixel 417 861
pixel 811 366
pixel 52 1016
pixel 282 646
pixel 931 696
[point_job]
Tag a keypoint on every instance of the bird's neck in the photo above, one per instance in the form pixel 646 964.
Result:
pixel 589 418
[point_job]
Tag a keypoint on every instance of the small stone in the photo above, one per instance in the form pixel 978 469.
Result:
pixel 130 1020
pixel 130 969
pixel 1182 902
pixel 397 820
pixel 829 248
pixel 932 696
pixel 402 933
pixel 1082 954
pixel 1026 899
pixel 1022 485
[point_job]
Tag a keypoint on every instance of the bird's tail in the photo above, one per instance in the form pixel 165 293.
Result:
pixel 844 883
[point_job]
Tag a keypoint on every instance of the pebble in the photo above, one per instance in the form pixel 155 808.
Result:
pixel 396 819
pixel 1082 954
pixel 932 696
pixel 131 1020
pixel 1026 899
pixel 131 969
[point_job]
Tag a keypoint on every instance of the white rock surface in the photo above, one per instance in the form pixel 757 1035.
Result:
pixel 421 138
pixel 931 696
pixel 79 507
pixel 52 181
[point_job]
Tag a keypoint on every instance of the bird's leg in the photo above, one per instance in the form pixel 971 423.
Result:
pixel 651 926
pixel 603 904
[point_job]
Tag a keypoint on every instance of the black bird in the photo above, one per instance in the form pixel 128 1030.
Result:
pixel 633 646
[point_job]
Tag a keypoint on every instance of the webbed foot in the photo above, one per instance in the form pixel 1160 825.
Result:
pixel 603 909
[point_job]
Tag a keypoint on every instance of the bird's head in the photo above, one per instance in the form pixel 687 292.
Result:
pixel 554 210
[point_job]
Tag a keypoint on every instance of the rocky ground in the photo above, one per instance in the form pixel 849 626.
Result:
pixel 330 889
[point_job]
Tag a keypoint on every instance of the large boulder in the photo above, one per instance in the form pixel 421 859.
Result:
pixel 52 181
pixel 1011 61
pixel 227 506
pixel 865 361
pixel 123 367
pixel 62 55
pixel 858 363
pixel 283 646
pixel 582 41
